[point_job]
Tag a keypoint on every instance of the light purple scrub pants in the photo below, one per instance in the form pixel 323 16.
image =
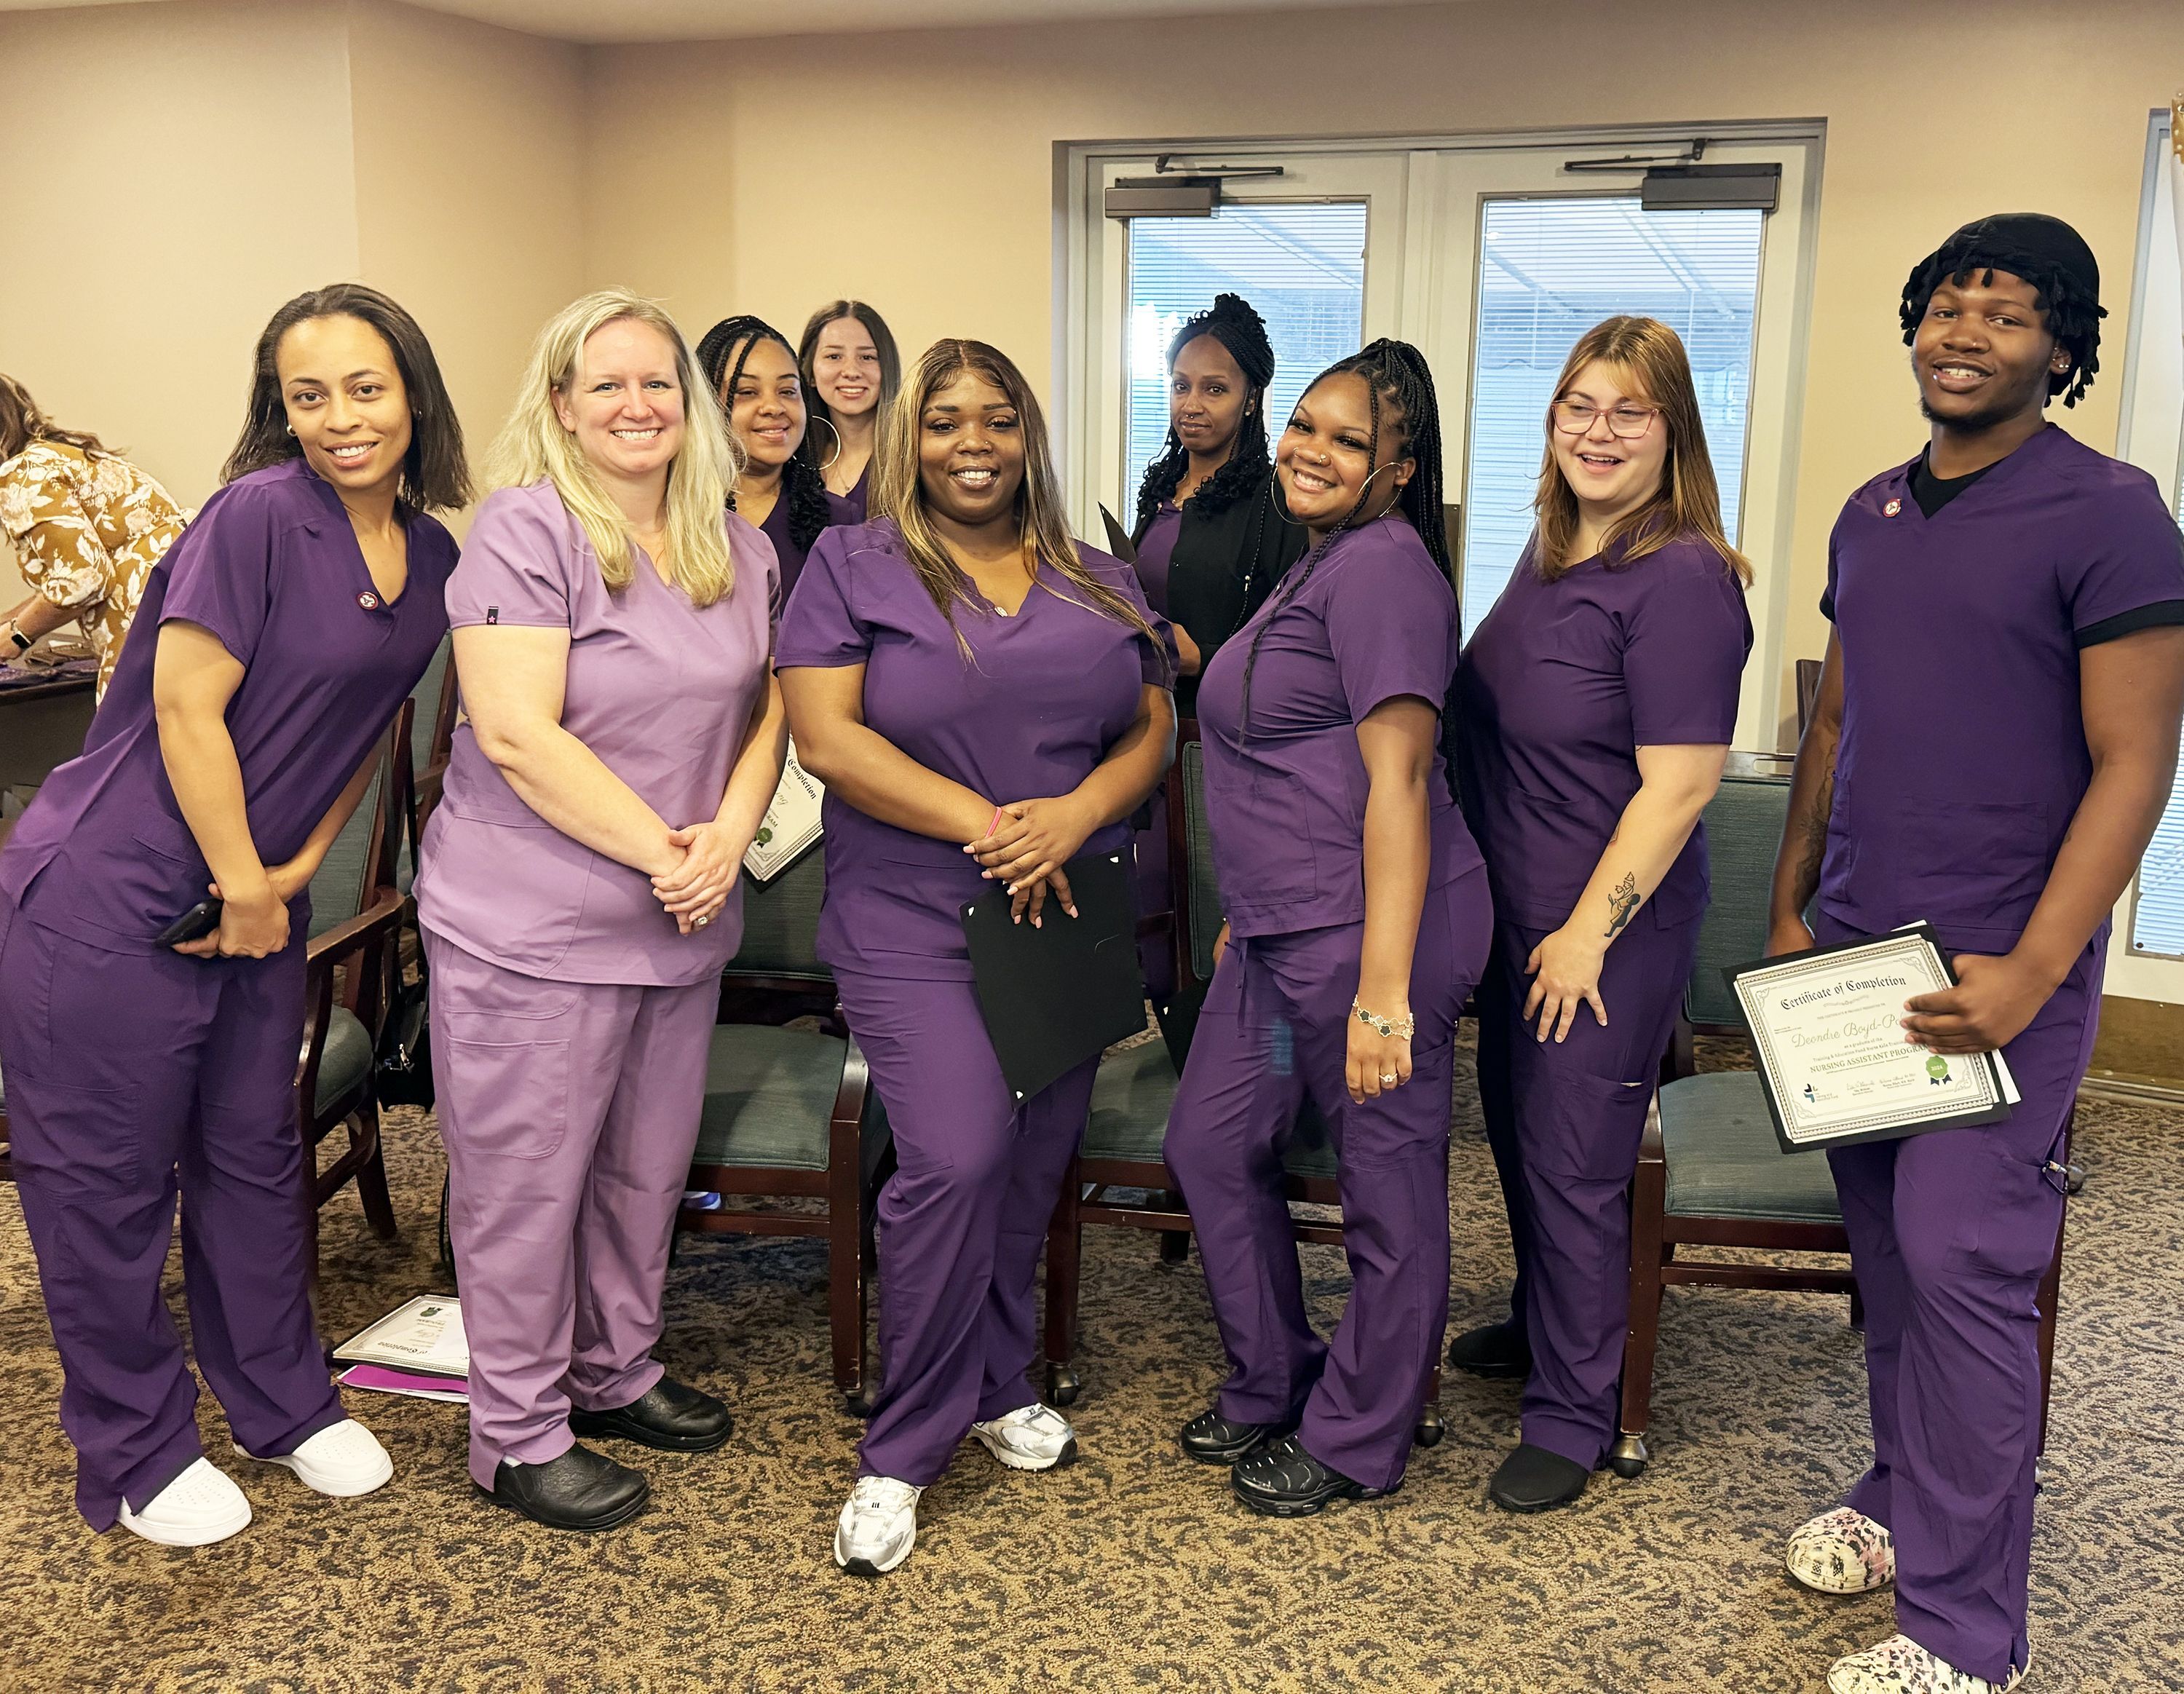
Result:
pixel 123 1071
pixel 1276 1028
pixel 1950 1235
pixel 961 1221
pixel 569 1112
pixel 1565 1121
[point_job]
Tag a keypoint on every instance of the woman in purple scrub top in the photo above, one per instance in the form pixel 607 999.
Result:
pixel 851 372
pixel 273 642
pixel 1356 922
pixel 976 690
pixel 1597 701
pixel 751 370
pixel 578 893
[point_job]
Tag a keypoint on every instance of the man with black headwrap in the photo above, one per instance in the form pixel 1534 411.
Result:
pixel 1993 744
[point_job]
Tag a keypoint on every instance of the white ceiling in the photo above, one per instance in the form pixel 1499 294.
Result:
pixel 684 20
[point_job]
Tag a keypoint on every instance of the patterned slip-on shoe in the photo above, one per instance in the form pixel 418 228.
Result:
pixel 1899 1665
pixel 1842 1551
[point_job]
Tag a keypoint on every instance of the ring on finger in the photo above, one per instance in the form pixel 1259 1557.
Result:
pixel 1387 1079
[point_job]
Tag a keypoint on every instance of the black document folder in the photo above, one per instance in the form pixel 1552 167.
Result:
pixel 1055 996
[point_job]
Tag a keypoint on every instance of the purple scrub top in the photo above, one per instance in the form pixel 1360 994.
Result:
pixel 849 508
pixel 788 557
pixel 1963 757
pixel 661 690
pixel 1155 550
pixel 272 568
pixel 1562 683
pixel 1029 715
pixel 1374 620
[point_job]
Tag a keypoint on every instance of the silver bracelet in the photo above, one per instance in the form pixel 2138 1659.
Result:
pixel 1405 1026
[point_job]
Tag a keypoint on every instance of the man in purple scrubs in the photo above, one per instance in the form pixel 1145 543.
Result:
pixel 1994 741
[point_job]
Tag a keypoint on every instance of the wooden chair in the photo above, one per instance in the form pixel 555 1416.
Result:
pixel 790 1111
pixel 356 914
pixel 1711 1172
pixel 1130 1101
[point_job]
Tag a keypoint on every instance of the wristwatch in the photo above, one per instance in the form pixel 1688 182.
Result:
pixel 22 642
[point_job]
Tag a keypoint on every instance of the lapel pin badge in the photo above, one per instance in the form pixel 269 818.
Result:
pixel 1892 509
pixel 368 600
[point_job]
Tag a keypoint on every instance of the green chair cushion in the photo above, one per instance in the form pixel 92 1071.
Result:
pixel 769 1097
pixel 346 1064
pixel 1725 1160
pixel 1130 1101
pixel 1744 828
pixel 781 922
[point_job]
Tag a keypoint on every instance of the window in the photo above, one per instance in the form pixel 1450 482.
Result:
pixel 1549 270
pixel 1302 267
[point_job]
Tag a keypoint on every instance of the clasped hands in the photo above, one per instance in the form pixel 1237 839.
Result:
pixel 1025 847
pixel 696 888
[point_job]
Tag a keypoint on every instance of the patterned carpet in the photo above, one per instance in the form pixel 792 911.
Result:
pixel 1132 1569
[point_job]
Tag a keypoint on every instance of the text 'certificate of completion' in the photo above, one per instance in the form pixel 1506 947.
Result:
pixel 1827 1030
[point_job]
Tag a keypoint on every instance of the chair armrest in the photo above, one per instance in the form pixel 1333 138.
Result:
pixel 350 936
pixel 1651 1150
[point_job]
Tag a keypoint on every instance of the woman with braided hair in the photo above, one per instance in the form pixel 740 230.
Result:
pixel 1357 922
pixel 752 369
pixel 1596 703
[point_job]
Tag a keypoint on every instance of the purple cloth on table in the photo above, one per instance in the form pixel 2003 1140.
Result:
pixel 1031 713
pixel 1154 548
pixel 1562 683
pixel 271 568
pixel 1963 756
pixel 660 690
pixel 1373 621
pixel 1275 1030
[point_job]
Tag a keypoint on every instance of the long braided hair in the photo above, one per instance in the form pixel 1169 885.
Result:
pixel 1231 322
pixel 1395 374
pixel 721 355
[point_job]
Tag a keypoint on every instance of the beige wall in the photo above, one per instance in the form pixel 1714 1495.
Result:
pixel 918 169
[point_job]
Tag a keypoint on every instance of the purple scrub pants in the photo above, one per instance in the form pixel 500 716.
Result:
pixel 125 1072
pixel 1950 1235
pixel 961 1221
pixel 1276 1028
pixel 569 1112
pixel 1565 1121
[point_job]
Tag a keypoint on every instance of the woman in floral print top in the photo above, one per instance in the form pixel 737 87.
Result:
pixel 86 526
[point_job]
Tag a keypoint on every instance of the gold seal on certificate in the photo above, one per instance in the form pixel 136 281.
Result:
pixel 1827 1031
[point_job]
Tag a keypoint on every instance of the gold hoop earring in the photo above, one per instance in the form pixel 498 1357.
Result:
pixel 1274 499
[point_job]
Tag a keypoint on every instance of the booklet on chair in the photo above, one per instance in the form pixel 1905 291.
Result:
pixel 1055 996
pixel 423 1336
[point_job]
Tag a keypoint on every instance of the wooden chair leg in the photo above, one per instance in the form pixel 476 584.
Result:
pixel 1065 1242
pixel 371 1181
pixel 2051 1293
pixel 1649 1197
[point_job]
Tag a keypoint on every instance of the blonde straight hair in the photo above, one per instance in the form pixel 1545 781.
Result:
pixel 534 445
pixel 1648 358
pixel 898 492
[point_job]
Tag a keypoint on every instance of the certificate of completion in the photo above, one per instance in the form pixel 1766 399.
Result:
pixel 1827 1031
pixel 791 824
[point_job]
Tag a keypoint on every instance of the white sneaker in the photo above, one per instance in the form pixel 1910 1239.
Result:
pixel 201 1505
pixel 343 1459
pixel 1033 1437
pixel 878 1526
pixel 1899 1665
pixel 1842 1551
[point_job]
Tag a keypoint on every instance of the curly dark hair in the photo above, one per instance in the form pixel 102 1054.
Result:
pixel 1231 322
pixel 720 356
pixel 2045 252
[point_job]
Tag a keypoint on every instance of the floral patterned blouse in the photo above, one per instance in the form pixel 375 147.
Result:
pixel 87 529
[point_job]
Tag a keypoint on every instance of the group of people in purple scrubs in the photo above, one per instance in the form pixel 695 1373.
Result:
pixel 671 573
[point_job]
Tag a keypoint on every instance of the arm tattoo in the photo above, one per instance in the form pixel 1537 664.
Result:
pixel 1621 904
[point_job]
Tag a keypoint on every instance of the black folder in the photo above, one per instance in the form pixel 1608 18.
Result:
pixel 1055 996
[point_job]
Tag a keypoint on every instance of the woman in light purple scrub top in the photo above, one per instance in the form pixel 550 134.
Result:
pixel 851 371
pixel 1357 923
pixel 976 690
pixel 275 641
pixel 1598 701
pixel 752 371
pixel 578 892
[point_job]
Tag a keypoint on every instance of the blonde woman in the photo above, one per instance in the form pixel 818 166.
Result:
pixel 87 528
pixel 613 628
pixel 976 690
pixel 1596 703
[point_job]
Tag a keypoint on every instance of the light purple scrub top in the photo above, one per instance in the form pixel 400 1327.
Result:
pixel 1030 714
pixel 1963 757
pixel 661 690
pixel 1155 550
pixel 1374 620
pixel 271 567
pixel 1562 683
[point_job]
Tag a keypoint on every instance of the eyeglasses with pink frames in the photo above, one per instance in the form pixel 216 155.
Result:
pixel 1624 423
